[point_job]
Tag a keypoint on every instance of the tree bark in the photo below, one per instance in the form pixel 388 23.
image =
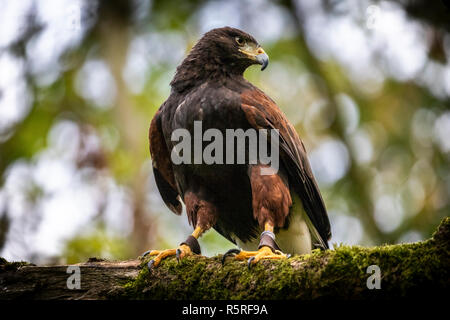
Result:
pixel 406 270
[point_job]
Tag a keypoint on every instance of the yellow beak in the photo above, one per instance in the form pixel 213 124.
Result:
pixel 258 54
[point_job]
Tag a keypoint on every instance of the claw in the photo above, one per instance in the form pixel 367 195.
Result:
pixel 288 255
pixel 249 263
pixel 146 253
pixel 178 254
pixel 229 253
pixel 150 265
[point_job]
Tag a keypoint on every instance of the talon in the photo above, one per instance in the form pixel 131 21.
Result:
pixel 146 253
pixel 150 265
pixel 288 256
pixel 252 257
pixel 229 253
pixel 180 253
pixel 249 263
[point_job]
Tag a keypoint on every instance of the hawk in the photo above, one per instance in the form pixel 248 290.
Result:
pixel 269 216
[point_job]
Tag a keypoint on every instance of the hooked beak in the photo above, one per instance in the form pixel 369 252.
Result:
pixel 258 55
pixel 263 60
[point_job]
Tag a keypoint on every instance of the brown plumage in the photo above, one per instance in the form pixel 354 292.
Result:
pixel 234 199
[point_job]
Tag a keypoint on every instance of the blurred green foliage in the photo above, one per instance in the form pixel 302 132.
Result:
pixel 97 244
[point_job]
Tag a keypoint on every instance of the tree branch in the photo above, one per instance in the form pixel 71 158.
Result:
pixel 407 270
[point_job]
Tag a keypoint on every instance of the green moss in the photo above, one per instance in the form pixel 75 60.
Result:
pixel 407 269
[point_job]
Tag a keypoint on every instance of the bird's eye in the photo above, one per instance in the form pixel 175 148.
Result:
pixel 239 41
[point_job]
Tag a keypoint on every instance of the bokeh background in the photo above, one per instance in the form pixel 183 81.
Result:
pixel 366 83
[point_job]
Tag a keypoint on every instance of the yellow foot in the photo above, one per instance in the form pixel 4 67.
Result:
pixel 181 252
pixel 254 256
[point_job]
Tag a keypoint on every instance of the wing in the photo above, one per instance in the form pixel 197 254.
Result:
pixel 262 113
pixel 162 167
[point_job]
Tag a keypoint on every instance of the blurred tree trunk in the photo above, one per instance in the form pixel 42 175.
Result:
pixel 114 34
pixel 406 270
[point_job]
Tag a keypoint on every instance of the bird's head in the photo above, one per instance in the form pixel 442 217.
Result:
pixel 220 51
pixel 233 47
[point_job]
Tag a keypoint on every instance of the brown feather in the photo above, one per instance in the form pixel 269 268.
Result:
pixel 271 198
pixel 162 166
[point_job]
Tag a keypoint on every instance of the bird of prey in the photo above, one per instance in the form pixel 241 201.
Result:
pixel 283 210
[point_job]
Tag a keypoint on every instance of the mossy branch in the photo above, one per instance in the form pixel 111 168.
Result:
pixel 407 270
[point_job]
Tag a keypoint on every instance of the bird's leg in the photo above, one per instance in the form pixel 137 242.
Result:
pixel 267 249
pixel 186 248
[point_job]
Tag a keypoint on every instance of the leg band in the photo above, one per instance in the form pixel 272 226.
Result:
pixel 192 243
pixel 268 239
